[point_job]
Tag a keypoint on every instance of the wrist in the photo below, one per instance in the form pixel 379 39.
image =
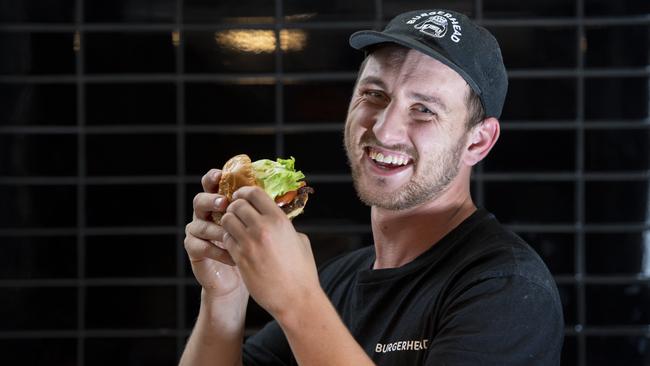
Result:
pixel 211 296
pixel 299 314
pixel 224 314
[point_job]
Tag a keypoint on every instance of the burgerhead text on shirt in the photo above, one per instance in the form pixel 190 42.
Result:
pixel 437 24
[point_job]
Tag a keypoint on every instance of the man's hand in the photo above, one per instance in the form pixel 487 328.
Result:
pixel 212 265
pixel 219 329
pixel 277 266
pixel 275 261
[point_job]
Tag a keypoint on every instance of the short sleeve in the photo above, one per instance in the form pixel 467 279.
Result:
pixel 269 346
pixel 508 320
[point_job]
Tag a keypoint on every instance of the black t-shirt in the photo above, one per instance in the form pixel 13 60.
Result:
pixel 480 296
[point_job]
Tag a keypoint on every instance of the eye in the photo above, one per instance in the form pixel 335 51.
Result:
pixel 422 109
pixel 375 96
pixel 372 93
pixel 421 113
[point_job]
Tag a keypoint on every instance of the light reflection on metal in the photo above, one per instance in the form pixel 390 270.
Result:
pixel 176 38
pixel 261 40
pixel 269 20
pixel 255 80
pixel 249 20
pixel 645 264
pixel 299 17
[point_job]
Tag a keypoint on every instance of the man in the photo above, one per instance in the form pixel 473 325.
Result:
pixel 444 283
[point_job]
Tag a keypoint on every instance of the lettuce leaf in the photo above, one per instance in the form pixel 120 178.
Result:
pixel 277 177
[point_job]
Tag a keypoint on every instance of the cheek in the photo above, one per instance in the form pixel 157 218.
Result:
pixel 358 121
pixel 361 112
pixel 428 146
pixel 351 135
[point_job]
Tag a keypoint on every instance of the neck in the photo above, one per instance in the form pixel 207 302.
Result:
pixel 401 236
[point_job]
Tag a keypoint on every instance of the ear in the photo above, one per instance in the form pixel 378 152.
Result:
pixel 481 139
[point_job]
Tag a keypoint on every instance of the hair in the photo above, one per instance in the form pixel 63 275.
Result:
pixel 475 110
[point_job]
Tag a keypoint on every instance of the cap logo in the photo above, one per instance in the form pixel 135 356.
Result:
pixel 436 23
pixel 435 26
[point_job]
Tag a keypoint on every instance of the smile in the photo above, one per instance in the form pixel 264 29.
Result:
pixel 387 159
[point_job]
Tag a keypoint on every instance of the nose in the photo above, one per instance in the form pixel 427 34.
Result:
pixel 390 126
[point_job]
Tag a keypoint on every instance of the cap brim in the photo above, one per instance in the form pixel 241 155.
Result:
pixel 362 39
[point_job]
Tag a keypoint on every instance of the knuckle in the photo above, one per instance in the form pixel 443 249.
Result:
pixel 187 242
pixel 265 235
pixel 197 200
pixel 207 178
pixel 277 220
pixel 192 226
pixel 203 228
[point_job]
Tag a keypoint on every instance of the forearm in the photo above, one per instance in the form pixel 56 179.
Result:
pixel 218 334
pixel 317 335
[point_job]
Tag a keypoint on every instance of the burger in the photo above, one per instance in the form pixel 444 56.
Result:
pixel 279 179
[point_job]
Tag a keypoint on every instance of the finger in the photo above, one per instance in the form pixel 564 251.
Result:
pixel 198 249
pixel 244 211
pixel 258 199
pixel 232 247
pixel 205 203
pixel 210 181
pixel 228 243
pixel 235 229
pixel 205 229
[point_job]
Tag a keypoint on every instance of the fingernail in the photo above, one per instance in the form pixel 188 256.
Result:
pixel 215 176
pixel 218 202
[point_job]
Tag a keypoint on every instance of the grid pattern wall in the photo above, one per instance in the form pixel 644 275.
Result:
pixel 112 111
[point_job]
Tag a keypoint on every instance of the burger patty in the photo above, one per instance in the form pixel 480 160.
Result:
pixel 299 201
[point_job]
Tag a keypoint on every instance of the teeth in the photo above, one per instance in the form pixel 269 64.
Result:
pixel 389 159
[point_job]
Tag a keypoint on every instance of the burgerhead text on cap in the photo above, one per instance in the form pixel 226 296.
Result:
pixel 437 23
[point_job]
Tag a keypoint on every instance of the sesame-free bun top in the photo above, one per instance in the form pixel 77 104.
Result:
pixel 236 173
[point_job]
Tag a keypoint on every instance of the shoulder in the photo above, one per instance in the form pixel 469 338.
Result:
pixel 491 250
pixel 499 285
pixel 500 320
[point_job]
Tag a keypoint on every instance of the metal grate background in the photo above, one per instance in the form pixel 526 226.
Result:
pixel 102 146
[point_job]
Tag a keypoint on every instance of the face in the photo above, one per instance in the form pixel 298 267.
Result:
pixel 405 131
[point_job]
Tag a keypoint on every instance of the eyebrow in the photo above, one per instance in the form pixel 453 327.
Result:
pixel 372 80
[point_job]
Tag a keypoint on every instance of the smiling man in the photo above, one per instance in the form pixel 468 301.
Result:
pixel 444 282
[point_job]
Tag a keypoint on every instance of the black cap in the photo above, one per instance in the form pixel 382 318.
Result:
pixel 454 40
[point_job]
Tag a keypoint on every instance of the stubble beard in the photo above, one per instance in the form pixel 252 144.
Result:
pixel 430 182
